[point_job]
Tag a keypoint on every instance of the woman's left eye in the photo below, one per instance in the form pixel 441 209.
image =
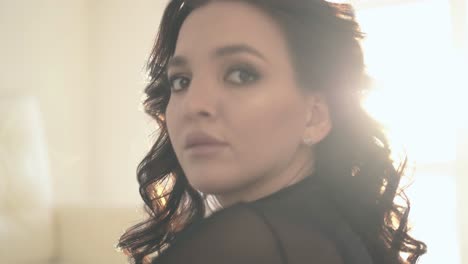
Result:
pixel 240 76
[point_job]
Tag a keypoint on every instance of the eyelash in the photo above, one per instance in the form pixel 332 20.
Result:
pixel 242 68
pixel 174 78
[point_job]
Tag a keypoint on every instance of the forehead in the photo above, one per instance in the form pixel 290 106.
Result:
pixel 224 23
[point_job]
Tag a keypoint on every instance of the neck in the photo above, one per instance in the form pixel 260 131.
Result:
pixel 299 168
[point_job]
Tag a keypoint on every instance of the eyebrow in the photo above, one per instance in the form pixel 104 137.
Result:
pixel 180 61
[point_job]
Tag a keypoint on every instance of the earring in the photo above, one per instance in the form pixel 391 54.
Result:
pixel 308 141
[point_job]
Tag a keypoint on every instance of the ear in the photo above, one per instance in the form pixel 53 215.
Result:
pixel 318 121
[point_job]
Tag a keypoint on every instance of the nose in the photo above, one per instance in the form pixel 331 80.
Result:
pixel 201 99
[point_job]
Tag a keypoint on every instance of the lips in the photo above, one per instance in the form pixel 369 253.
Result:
pixel 201 139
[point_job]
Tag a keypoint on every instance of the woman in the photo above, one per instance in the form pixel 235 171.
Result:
pixel 258 104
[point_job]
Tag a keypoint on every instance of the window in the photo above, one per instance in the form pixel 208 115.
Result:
pixel 417 69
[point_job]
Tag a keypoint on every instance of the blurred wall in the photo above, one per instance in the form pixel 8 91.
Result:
pixel 26 208
pixel 459 12
pixel 121 38
pixel 462 195
pixel 44 53
pixel 84 62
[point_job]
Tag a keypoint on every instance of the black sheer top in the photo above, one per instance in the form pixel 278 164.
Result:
pixel 295 225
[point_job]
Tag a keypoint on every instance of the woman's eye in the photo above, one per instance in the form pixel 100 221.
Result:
pixel 179 83
pixel 241 76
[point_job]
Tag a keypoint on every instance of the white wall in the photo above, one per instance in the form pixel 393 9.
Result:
pixel 462 195
pixel 44 57
pixel 122 34
pixel 84 62
pixel 460 35
pixel 25 186
pixel 44 53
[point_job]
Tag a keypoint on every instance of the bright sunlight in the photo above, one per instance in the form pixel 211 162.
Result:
pixel 418 96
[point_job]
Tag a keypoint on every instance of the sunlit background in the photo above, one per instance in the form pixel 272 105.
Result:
pixel 416 52
pixel 72 131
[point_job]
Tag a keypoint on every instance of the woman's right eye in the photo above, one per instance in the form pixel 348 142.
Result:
pixel 179 83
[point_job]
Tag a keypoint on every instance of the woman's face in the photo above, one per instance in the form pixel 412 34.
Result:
pixel 236 117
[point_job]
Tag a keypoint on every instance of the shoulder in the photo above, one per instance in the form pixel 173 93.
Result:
pixel 244 234
pixel 232 235
pixel 314 227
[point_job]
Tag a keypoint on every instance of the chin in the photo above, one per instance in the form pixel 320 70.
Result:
pixel 212 184
pixel 211 187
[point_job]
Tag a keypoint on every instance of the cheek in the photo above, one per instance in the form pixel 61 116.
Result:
pixel 275 125
pixel 172 125
pixel 270 129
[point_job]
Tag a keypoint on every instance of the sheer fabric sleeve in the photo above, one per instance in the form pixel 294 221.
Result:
pixel 241 234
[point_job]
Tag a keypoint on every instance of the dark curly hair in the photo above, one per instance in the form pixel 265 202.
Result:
pixel 353 162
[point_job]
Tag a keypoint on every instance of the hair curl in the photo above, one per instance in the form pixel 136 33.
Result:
pixel 353 162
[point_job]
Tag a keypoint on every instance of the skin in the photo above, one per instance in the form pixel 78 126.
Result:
pixel 241 88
